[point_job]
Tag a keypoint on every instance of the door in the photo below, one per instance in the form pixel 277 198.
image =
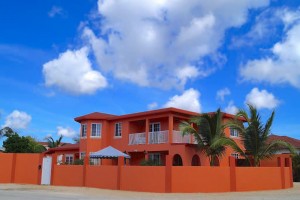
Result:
pixel 46 170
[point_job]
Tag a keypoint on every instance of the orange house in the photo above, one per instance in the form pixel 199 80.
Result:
pixel 149 135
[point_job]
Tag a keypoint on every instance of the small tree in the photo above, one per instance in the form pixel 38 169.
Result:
pixel 296 167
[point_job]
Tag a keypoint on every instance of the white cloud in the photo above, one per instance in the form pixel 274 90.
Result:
pixel 66 132
pixel 138 39
pixel 55 10
pixel 152 106
pixel 72 72
pixel 189 100
pixel 17 120
pixel 231 108
pixel 262 99
pixel 222 93
pixel 282 67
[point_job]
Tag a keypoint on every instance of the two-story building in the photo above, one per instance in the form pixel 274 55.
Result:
pixel 149 135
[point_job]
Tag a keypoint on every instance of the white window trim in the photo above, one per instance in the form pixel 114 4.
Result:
pixel 83 137
pixel 152 124
pixel 71 156
pixel 80 155
pixel 96 136
pixel 118 136
pixel 235 155
pixel 235 131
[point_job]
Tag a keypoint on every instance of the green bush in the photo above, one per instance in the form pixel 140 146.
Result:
pixel 149 163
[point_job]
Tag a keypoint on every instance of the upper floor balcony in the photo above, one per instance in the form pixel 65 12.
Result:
pixel 160 137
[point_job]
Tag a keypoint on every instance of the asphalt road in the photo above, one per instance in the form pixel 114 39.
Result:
pixel 34 192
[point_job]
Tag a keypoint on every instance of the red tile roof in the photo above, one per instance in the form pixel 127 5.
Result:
pixel 292 141
pixel 66 147
pixel 94 115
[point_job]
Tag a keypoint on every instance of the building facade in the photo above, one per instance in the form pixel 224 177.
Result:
pixel 149 135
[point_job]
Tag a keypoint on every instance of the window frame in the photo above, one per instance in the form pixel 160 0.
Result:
pixel 152 126
pixel 82 155
pixel 85 130
pixel 235 155
pixel 100 130
pixel 235 132
pixel 69 161
pixel 118 130
pixel 153 157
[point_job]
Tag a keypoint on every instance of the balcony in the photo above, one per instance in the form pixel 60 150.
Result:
pixel 137 138
pixel 161 137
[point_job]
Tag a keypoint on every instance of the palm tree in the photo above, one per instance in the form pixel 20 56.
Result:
pixel 255 135
pixel 296 167
pixel 209 134
pixel 52 143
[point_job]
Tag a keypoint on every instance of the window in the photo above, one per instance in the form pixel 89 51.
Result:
pixel 154 127
pixel 95 161
pixel 69 159
pixel 155 158
pixel 82 155
pixel 236 155
pixel 83 130
pixel 234 132
pixel 96 130
pixel 118 129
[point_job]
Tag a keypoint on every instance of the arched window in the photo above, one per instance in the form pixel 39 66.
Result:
pixel 177 161
pixel 196 161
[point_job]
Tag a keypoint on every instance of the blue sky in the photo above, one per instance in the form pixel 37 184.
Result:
pixel 61 59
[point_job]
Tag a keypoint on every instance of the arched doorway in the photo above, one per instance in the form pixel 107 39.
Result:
pixel 196 161
pixel 177 161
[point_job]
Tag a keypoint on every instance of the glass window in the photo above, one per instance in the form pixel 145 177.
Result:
pixel 155 158
pixel 83 130
pixel 236 155
pixel 82 155
pixel 69 159
pixel 234 132
pixel 118 129
pixel 96 130
pixel 154 127
pixel 95 161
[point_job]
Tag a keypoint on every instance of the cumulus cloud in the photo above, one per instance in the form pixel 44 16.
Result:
pixel 72 72
pixel 262 99
pixel 17 120
pixel 66 132
pixel 188 100
pixel 138 39
pixel 152 106
pixel 231 108
pixel 282 66
pixel 222 93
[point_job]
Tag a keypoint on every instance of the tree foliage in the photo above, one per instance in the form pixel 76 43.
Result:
pixel 296 167
pixel 208 130
pixel 54 143
pixel 21 144
pixel 255 135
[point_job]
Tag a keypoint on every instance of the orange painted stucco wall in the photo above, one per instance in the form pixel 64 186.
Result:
pixel 6 165
pixel 200 179
pixel 143 179
pixel 102 177
pixel 27 168
pixel 68 175
pixel 258 178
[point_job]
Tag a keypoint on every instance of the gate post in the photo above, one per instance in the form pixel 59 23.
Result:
pixel 232 165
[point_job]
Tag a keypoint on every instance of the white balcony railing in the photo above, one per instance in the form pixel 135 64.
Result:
pixel 158 137
pixel 179 138
pixel 137 138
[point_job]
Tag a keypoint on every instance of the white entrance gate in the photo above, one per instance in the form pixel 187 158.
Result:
pixel 46 170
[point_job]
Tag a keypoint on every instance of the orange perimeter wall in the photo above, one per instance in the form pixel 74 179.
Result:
pixel 200 179
pixel 6 163
pixel 143 178
pixel 102 177
pixel 68 175
pixel 258 178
